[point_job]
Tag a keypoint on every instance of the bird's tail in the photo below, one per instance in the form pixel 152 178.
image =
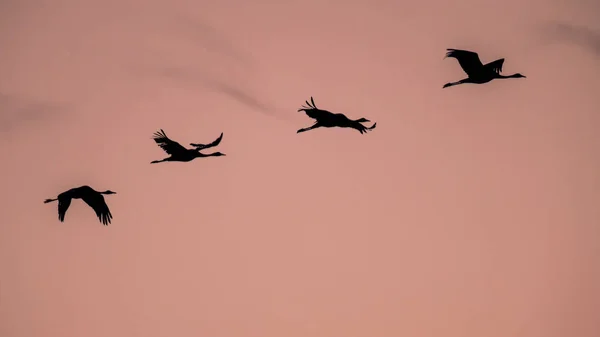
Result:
pixel 49 200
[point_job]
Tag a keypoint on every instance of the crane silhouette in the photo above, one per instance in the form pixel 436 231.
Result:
pixel 179 153
pixel 329 119
pixel 477 72
pixel 93 198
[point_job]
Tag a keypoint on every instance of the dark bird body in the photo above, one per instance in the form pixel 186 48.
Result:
pixel 329 119
pixel 93 198
pixel 179 153
pixel 477 72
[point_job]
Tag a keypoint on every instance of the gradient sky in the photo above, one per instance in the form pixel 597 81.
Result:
pixel 469 212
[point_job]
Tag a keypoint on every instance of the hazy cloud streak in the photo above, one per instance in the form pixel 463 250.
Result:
pixel 580 35
pixel 17 111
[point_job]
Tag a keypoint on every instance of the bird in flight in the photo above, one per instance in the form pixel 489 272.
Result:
pixel 477 72
pixel 179 153
pixel 93 198
pixel 327 119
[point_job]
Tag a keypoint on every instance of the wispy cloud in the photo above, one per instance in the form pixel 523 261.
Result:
pixel 234 64
pixel 579 35
pixel 17 111
pixel 195 77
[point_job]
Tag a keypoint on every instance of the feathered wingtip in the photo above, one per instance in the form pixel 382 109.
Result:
pixel 309 105
pixel 159 134
pixel 212 144
pixel 48 200
pixel 449 52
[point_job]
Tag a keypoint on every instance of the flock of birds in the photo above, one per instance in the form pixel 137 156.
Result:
pixel 477 73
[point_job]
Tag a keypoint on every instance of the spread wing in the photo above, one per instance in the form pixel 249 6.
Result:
pixel 468 60
pixel 313 112
pixel 63 206
pixel 495 66
pixel 169 146
pixel 206 146
pixel 319 114
pixel 97 203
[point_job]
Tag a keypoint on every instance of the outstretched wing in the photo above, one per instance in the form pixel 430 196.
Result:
pixel 97 203
pixel 319 114
pixel 63 206
pixel 169 146
pixel 468 60
pixel 313 112
pixel 495 66
pixel 206 146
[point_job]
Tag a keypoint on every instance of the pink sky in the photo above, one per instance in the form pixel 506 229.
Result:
pixel 469 212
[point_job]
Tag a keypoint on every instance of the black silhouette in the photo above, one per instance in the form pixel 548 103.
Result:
pixel 329 119
pixel 180 153
pixel 90 196
pixel 206 146
pixel 477 72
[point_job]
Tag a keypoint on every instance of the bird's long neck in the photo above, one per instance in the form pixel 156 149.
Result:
pixel 214 154
pixel 507 76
